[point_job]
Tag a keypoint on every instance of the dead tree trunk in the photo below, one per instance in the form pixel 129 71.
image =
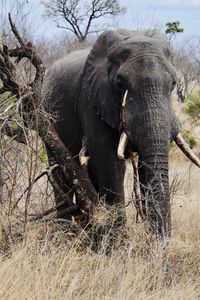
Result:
pixel 38 120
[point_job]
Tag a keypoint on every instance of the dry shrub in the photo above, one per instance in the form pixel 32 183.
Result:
pixel 43 269
pixel 52 260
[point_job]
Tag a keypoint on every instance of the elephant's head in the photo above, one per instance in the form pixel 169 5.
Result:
pixel 138 65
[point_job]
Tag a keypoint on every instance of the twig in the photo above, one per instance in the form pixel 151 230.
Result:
pixel 69 211
pixel 137 202
pixel 7 109
pixel 46 172
pixel 14 30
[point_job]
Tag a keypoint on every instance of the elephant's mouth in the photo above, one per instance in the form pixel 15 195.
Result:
pixel 178 139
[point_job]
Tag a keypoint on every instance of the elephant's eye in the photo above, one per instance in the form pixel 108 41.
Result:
pixel 123 55
pixel 111 58
pixel 118 56
pixel 120 83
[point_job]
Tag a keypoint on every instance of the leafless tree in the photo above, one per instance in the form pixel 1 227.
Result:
pixel 29 97
pixel 187 63
pixel 79 16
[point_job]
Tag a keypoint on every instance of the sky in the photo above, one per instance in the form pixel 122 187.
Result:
pixel 140 14
pixel 151 13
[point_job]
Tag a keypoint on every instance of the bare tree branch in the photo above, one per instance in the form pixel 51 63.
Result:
pixel 70 211
pixel 7 72
pixel 38 120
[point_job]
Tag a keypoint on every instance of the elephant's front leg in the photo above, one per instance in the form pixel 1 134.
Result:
pixel 107 171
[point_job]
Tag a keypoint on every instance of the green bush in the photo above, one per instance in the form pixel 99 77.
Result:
pixel 189 138
pixel 192 108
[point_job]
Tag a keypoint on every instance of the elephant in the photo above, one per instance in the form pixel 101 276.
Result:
pixel 84 92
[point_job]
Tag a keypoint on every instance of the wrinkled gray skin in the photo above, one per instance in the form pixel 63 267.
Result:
pixel 84 91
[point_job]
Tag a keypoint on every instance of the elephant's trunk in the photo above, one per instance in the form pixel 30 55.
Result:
pixel 149 124
pixel 148 128
pixel 153 149
pixel 154 183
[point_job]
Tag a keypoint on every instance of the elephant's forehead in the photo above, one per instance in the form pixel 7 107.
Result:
pixel 144 44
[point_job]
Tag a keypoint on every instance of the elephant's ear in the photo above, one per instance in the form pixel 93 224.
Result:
pixel 96 81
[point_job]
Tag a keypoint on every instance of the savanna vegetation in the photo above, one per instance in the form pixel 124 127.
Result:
pixel 43 255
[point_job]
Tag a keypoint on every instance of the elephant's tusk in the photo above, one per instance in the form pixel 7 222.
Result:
pixel 122 145
pixel 83 160
pixel 179 140
pixel 83 157
pixel 124 98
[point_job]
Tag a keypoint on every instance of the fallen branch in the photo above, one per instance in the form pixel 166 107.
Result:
pixel 37 119
pixel 69 211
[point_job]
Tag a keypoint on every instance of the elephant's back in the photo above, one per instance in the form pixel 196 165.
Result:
pixel 60 91
pixel 62 77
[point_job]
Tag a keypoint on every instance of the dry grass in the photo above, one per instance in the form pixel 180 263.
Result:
pixel 47 261
pixel 50 264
